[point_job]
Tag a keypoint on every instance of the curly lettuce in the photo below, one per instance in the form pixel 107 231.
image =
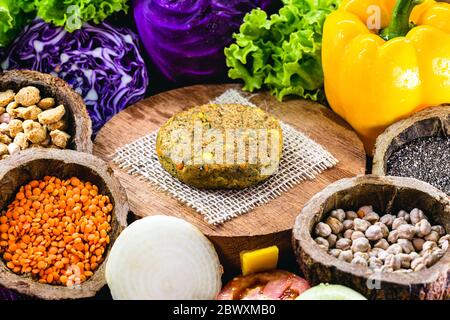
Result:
pixel 71 14
pixel 14 15
pixel 282 52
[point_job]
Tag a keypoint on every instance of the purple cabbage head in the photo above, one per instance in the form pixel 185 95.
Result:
pixel 185 38
pixel 101 62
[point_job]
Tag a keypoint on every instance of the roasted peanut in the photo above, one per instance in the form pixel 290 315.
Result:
pixel 384 229
pixel 34 131
pixel 335 225
pixel 11 109
pixel 4 138
pixel 375 263
pixel 428 245
pixel 346 256
pixel 6 97
pixel 398 222
pixel 423 228
pixel 394 249
pixel 393 261
pixel 21 140
pixel 416 215
pixel 348 233
pixel 363 211
pixel 59 125
pixel 5 118
pixel 52 115
pixel 372 217
pixel 60 138
pixel 15 127
pixel 348 224
pixel 28 96
pixel 322 242
pixel 382 244
pixel 323 229
pixel 351 215
pixel 3 149
pixel 360 224
pixel 29 113
pixel 360 245
pixel 338 214
pixel 406 231
pixel 393 236
pixel 374 233
pixel 405 260
pixel 332 238
pixel 343 244
pixel 335 252
pixel 46 103
pixel 405 215
pixel 433 236
pixel 359 261
pixel 407 246
pixel 439 229
pixel 387 219
pixel 363 255
pixel 357 234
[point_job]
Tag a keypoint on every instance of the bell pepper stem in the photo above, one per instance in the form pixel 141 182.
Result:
pixel 400 24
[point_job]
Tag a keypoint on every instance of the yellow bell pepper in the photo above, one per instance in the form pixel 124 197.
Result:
pixel 384 60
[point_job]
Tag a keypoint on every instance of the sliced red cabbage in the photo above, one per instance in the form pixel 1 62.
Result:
pixel 6 294
pixel 186 38
pixel 101 62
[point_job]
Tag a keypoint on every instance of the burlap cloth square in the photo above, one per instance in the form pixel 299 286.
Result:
pixel 302 159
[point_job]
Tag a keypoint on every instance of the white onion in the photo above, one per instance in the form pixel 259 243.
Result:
pixel 163 257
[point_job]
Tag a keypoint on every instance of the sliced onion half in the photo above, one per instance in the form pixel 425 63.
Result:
pixel 330 292
pixel 163 257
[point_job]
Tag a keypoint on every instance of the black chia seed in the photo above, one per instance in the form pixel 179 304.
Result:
pixel 426 159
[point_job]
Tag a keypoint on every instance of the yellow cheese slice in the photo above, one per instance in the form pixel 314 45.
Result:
pixel 259 260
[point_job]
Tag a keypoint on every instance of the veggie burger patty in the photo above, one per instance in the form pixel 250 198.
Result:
pixel 226 146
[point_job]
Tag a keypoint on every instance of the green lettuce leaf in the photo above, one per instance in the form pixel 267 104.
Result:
pixel 14 15
pixel 282 52
pixel 71 14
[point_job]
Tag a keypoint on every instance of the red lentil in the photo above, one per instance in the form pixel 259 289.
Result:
pixel 57 230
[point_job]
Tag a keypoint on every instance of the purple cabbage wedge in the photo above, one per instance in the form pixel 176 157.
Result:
pixel 101 62
pixel 6 294
pixel 185 38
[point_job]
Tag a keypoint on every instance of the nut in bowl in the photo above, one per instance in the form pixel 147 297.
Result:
pixel 41 111
pixel 61 212
pixel 386 237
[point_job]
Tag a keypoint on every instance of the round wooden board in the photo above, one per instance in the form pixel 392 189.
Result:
pixel 266 225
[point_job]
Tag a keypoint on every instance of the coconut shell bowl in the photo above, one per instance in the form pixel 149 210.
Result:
pixel 387 195
pixel 35 164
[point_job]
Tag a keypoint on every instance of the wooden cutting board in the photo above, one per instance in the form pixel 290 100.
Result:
pixel 266 225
